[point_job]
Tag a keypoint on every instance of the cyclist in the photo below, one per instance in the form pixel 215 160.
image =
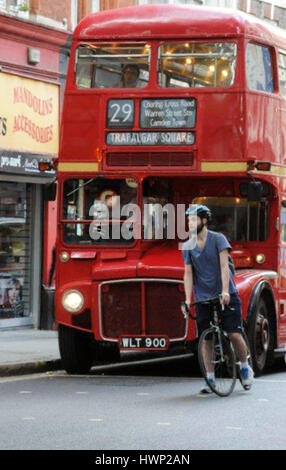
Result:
pixel 207 270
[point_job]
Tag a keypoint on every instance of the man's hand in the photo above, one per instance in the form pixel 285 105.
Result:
pixel 185 306
pixel 225 298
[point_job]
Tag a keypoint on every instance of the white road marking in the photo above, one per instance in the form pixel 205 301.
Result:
pixel 164 424
pixel 262 399
pixel 97 420
pixel 235 428
pixel 142 394
pixel 25 392
pixel 270 381
pixel 28 418
pixel 81 393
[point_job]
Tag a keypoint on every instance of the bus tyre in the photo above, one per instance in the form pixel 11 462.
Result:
pixel 261 338
pixel 76 354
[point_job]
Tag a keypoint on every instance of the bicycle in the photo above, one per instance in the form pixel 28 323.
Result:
pixel 215 351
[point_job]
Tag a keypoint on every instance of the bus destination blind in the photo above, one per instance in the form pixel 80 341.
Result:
pixel 150 138
pixel 170 113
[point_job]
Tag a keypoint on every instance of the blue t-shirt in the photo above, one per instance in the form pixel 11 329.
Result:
pixel 207 273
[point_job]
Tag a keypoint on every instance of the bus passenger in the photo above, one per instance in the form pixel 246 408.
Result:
pixel 130 75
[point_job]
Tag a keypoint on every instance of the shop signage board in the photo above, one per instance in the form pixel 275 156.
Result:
pixel 29 115
pixel 24 164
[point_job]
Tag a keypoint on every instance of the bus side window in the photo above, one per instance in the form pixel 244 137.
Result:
pixel 282 73
pixel 283 222
pixel 259 68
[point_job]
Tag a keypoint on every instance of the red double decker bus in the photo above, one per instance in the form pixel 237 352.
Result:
pixel 167 106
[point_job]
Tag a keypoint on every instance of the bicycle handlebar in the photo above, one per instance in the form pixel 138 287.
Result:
pixel 210 301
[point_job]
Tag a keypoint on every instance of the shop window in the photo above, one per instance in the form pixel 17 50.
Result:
pixel 15 253
pixel 259 68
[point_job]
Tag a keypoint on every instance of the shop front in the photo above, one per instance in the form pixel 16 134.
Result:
pixel 29 126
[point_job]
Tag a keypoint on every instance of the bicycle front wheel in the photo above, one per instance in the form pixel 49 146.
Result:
pixel 216 354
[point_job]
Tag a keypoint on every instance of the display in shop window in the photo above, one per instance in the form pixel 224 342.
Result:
pixel 11 295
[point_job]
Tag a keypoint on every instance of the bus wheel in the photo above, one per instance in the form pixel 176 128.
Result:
pixel 108 352
pixel 261 338
pixel 76 354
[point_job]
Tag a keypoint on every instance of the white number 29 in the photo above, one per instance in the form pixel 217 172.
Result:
pixel 125 109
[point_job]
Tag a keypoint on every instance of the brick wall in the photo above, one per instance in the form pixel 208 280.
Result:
pixel 265 10
pixel 56 10
pixel 106 4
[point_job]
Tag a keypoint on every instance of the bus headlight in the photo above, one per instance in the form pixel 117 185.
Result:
pixel 260 259
pixel 72 301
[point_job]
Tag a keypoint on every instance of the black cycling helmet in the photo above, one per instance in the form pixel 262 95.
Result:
pixel 199 209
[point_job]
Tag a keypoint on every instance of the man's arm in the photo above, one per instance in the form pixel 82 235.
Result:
pixel 224 268
pixel 188 282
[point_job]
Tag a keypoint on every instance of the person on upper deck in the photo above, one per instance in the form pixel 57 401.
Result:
pixel 130 76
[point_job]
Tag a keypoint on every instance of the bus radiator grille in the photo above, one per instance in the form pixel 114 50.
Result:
pixel 142 308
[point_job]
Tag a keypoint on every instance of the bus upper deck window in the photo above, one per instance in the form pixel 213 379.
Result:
pixel 197 64
pixel 259 68
pixel 112 65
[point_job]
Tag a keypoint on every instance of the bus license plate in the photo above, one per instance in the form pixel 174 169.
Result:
pixel 144 342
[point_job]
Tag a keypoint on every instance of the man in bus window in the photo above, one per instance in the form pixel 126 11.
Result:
pixel 207 270
pixel 130 75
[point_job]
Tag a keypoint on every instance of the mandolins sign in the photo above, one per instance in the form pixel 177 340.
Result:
pixel 29 115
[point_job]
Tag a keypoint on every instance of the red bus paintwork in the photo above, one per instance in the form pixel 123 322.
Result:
pixel 241 126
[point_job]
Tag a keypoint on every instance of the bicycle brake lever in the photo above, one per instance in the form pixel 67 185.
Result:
pixel 221 302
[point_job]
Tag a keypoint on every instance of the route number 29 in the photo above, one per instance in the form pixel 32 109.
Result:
pixel 120 113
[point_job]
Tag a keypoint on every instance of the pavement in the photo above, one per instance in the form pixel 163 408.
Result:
pixel 28 350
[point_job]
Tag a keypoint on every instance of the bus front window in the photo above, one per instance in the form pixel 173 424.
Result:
pixel 197 64
pixel 93 211
pixel 238 219
pixel 112 65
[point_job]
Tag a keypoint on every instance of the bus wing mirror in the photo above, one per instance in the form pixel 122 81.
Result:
pixel 50 191
pixel 254 191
